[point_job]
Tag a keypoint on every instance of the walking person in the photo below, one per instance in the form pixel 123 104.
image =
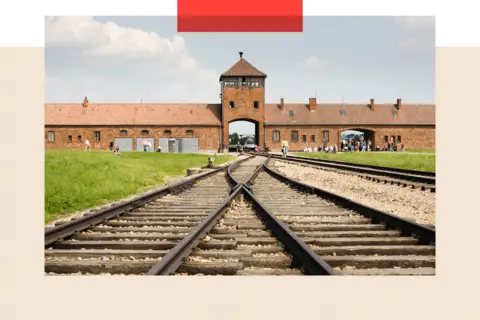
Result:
pixel 224 147
pixel 284 147
pixel 87 145
pixel 145 145
pixel 110 146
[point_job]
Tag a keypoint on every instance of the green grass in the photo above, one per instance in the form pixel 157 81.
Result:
pixel 421 161
pixel 77 180
pixel 421 150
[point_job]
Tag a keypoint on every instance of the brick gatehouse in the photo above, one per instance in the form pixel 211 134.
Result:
pixel 193 127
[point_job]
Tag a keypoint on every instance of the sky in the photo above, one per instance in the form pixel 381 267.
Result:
pixel 335 59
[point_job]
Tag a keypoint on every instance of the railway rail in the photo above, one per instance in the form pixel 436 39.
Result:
pixel 421 180
pixel 240 220
pixel 351 238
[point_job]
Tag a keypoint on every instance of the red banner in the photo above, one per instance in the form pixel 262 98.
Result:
pixel 240 16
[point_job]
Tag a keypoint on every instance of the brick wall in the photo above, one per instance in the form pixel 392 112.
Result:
pixel 207 136
pixel 244 108
pixel 411 137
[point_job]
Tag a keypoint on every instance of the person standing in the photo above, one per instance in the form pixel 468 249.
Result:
pixel 284 147
pixel 110 146
pixel 87 145
pixel 144 145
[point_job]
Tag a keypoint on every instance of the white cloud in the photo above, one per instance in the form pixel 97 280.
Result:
pixel 313 62
pixel 418 32
pixel 96 44
pixel 418 18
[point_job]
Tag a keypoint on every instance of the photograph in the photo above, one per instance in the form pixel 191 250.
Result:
pixel 240 153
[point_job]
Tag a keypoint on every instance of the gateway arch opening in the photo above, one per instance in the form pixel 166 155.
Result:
pixel 243 132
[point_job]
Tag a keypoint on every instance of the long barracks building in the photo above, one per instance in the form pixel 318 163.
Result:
pixel 203 127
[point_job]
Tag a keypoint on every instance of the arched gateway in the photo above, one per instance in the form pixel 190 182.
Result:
pixel 243 98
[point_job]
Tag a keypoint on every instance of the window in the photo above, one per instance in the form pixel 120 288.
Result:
pixel 145 132
pixel 232 104
pixel 168 132
pixel 312 138
pixel 294 135
pixel 96 136
pixel 290 112
pixel 244 80
pixel 399 139
pixel 385 139
pixel 189 132
pixel 79 138
pixel 304 138
pixel 70 139
pixel 392 139
pixel 325 135
pixel 255 104
pixel 51 136
pixel 123 132
pixel 276 136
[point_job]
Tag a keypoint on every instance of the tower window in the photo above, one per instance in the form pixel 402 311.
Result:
pixel 232 104
pixel 255 104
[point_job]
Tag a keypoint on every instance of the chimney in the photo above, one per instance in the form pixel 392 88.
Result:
pixel 85 102
pixel 399 104
pixel 372 104
pixel 241 54
pixel 281 105
pixel 312 104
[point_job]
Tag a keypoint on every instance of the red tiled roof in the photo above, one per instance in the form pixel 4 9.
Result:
pixel 243 68
pixel 354 114
pixel 131 113
pixel 209 114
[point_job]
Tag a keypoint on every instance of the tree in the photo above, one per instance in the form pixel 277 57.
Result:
pixel 234 138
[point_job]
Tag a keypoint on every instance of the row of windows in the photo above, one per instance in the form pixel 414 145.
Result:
pixel 294 136
pixel 396 139
pixel 97 136
pixel 232 104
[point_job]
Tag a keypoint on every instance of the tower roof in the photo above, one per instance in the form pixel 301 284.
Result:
pixel 243 68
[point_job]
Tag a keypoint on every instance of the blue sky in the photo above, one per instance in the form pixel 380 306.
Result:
pixel 127 59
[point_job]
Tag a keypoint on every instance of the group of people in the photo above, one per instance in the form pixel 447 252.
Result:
pixel 327 149
pixel 114 148
pixel 356 145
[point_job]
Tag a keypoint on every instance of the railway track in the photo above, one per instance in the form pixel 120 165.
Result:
pixel 351 238
pixel 131 237
pixel 243 220
pixel 421 180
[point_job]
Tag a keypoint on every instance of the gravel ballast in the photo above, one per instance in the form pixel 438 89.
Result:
pixel 404 202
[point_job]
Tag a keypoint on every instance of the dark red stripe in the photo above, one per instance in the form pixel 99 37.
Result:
pixel 239 24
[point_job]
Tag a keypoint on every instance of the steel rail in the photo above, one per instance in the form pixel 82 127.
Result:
pixel 67 229
pixel 363 165
pixel 303 256
pixel 354 168
pixel 424 234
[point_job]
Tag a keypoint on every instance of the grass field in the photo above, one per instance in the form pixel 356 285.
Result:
pixel 412 161
pixel 76 180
